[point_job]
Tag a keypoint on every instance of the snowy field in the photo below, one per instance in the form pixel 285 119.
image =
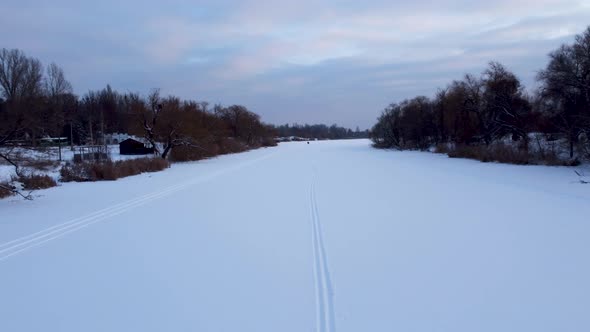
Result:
pixel 52 154
pixel 330 236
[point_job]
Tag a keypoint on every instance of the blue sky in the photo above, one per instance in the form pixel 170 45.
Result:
pixel 297 61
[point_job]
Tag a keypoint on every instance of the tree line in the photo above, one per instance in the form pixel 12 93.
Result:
pixel 320 131
pixel 36 103
pixel 481 110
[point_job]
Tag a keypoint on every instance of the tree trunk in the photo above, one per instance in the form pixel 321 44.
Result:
pixel 104 142
pixel 167 149
pixel 90 128
pixel 71 137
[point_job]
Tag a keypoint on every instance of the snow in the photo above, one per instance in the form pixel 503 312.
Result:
pixel 326 236
pixel 52 154
pixel 6 172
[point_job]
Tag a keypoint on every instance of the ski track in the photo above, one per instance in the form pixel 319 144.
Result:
pixel 25 243
pixel 325 321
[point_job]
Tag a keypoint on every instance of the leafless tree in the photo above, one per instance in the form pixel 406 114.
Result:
pixel 505 106
pixel 9 130
pixel 20 76
pixel 164 122
pixel 150 119
pixel 56 84
pixel 58 91
pixel 565 88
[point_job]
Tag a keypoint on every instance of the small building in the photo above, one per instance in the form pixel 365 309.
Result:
pixel 134 147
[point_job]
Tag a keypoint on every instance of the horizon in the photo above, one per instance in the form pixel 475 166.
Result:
pixel 336 62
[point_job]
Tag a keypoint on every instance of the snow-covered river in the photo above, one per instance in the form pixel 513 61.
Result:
pixel 326 236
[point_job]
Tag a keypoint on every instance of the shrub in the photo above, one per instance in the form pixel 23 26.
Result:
pixel 4 191
pixel 466 151
pixel 442 148
pixel 187 153
pixel 498 152
pixel 219 146
pixel 36 182
pixel 572 162
pixel 230 145
pixel 41 164
pixel 503 153
pixel 507 154
pixel 76 172
pixel 268 142
pixel 550 157
pixel 109 170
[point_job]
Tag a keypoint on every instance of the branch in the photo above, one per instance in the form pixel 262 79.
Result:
pixel 582 181
pixel 184 141
pixel 12 189
pixel 11 162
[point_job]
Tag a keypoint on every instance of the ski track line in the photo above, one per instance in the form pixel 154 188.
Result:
pixel 317 274
pixel 325 317
pixel 24 243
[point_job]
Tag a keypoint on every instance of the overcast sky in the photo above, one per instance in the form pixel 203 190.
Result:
pixel 296 61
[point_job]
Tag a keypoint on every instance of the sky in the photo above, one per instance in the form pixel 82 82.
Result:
pixel 304 61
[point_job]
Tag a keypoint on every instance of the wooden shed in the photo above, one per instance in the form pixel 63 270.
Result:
pixel 134 147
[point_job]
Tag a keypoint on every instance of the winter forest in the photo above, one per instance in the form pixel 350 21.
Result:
pixel 493 117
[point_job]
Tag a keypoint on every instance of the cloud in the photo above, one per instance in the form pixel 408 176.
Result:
pixel 290 61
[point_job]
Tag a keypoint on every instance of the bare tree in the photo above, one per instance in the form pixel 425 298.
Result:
pixel 565 88
pixel 21 82
pixel 21 86
pixel 163 124
pixel 242 123
pixel 56 84
pixel 57 89
pixel 20 76
pixel 505 106
pixel 150 119
pixel 10 127
pixel 386 133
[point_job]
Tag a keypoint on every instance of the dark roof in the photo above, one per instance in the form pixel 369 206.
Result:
pixel 131 141
pixel 131 146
